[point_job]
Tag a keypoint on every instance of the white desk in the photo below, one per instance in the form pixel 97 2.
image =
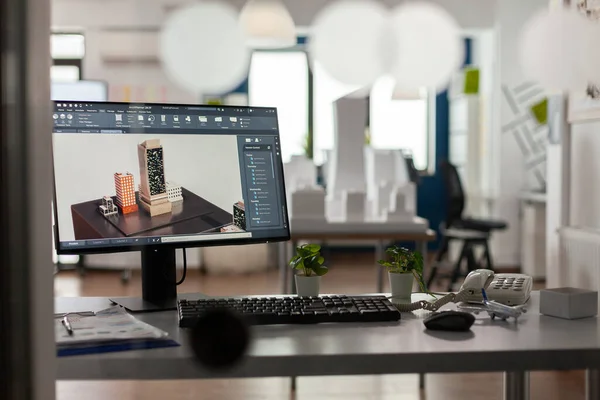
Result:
pixel 537 342
pixel 533 197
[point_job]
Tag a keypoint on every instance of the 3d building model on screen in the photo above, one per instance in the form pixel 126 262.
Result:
pixel 231 228
pixel 159 207
pixel 108 208
pixel 153 187
pixel 174 192
pixel 124 186
pixel 239 215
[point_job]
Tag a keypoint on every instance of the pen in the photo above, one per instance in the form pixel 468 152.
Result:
pixel 484 294
pixel 67 324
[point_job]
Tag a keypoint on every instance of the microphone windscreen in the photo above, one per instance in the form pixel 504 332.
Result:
pixel 220 339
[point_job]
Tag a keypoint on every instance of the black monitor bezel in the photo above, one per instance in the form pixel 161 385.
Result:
pixel 196 244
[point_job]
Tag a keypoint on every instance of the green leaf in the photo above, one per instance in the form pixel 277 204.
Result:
pixel 294 259
pixel 419 279
pixel 311 261
pixel 313 248
pixel 321 270
pixel 302 252
pixel 299 264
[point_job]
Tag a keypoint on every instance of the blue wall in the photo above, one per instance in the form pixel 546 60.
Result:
pixel 431 199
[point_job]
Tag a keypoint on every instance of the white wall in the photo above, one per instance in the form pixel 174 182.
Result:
pixel 585 167
pixel 144 13
pixel 509 180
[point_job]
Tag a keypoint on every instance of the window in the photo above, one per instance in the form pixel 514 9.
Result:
pixel 394 124
pixel 64 73
pixel 326 91
pixel 68 50
pixel 66 46
pixel 280 79
pixel 402 124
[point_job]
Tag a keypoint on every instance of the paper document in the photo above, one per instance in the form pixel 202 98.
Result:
pixel 113 324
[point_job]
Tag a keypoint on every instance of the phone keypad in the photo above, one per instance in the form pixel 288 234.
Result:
pixel 503 288
pixel 508 283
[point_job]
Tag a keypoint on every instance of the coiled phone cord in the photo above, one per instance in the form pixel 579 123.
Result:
pixel 431 306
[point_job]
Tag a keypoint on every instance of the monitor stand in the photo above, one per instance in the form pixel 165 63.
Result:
pixel 159 289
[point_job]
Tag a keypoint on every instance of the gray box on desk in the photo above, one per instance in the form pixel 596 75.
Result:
pixel 568 303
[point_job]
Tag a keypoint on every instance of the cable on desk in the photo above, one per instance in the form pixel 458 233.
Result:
pixel 184 268
pixel 431 306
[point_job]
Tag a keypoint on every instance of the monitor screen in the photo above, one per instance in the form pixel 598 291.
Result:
pixel 133 175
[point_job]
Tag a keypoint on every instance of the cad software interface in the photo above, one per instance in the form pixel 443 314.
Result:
pixel 143 174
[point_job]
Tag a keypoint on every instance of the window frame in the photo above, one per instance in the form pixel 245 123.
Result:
pixel 431 128
pixel 70 62
pixel 431 134
pixel 299 48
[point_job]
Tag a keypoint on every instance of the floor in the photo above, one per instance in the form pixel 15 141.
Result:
pixel 349 273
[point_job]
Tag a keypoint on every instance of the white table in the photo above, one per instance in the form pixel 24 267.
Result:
pixel 536 342
pixel 382 234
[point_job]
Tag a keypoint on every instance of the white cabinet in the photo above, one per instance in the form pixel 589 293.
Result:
pixel 533 234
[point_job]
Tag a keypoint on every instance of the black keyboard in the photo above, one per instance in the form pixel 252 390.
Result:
pixel 293 309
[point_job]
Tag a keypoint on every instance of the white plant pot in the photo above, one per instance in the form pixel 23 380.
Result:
pixel 308 285
pixel 401 285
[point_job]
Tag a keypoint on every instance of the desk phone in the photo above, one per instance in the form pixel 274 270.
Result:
pixel 509 289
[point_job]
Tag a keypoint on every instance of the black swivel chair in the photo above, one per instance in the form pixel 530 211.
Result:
pixel 471 232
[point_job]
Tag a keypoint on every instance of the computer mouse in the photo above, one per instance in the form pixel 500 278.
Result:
pixel 458 321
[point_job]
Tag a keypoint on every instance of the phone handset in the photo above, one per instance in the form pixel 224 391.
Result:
pixel 509 289
pixel 477 280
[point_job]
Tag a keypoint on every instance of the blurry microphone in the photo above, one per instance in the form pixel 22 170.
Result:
pixel 220 339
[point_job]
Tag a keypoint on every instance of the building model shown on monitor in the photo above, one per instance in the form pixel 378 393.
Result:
pixel 178 176
pixel 125 188
pixel 153 189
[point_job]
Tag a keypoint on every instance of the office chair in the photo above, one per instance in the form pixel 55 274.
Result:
pixel 473 233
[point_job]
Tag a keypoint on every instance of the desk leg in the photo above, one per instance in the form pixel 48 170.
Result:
pixel 422 381
pixel 283 269
pixel 379 250
pixel 291 271
pixel 293 384
pixel 592 384
pixel 516 385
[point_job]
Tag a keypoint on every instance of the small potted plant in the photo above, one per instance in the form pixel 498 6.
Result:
pixel 404 266
pixel 309 262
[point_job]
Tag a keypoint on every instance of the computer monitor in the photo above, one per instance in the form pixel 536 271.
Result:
pixel 157 177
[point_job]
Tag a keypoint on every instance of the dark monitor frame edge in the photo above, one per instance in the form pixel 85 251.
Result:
pixel 169 104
